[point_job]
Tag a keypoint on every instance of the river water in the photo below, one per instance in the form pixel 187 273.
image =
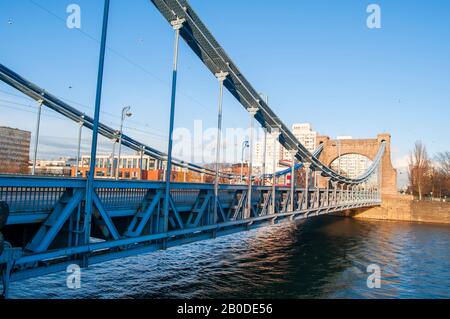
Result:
pixel 324 257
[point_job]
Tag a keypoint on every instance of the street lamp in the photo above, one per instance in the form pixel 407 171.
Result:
pixel 125 113
pixel 36 138
pixel 81 123
pixel 112 173
pixel 244 145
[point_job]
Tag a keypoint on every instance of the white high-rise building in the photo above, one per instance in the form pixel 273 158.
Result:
pixel 258 155
pixel 350 165
pixel 302 131
pixel 305 135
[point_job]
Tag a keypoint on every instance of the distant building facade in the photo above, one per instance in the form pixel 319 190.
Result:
pixel 54 167
pixel 302 131
pixel 349 165
pixel 306 135
pixel 258 155
pixel 129 167
pixel 14 150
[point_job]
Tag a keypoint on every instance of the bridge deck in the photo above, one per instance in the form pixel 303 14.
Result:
pixel 46 227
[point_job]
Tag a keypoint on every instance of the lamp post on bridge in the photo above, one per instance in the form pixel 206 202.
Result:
pixel 36 138
pixel 125 113
pixel 80 129
pixel 113 155
pixel 244 145
pixel 141 164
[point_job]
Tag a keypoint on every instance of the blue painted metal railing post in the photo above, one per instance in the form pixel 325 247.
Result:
pixel 292 203
pixel 177 25
pixel 327 198
pixel 334 184
pixel 307 176
pixel 91 176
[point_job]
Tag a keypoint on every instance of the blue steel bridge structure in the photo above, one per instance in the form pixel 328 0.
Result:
pixel 47 224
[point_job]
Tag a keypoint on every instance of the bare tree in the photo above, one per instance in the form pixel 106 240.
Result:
pixel 443 172
pixel 443 160
pixel 418 167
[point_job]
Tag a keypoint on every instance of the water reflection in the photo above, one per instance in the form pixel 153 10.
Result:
pixel 322 257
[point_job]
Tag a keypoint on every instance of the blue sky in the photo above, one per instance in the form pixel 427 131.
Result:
pixel 317 61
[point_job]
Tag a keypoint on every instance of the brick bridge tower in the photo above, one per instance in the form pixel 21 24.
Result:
pixel 365 147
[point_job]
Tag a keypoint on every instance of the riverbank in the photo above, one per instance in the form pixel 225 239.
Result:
pixel 404 208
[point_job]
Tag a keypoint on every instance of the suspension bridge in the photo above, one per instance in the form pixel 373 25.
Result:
pixel 49 223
